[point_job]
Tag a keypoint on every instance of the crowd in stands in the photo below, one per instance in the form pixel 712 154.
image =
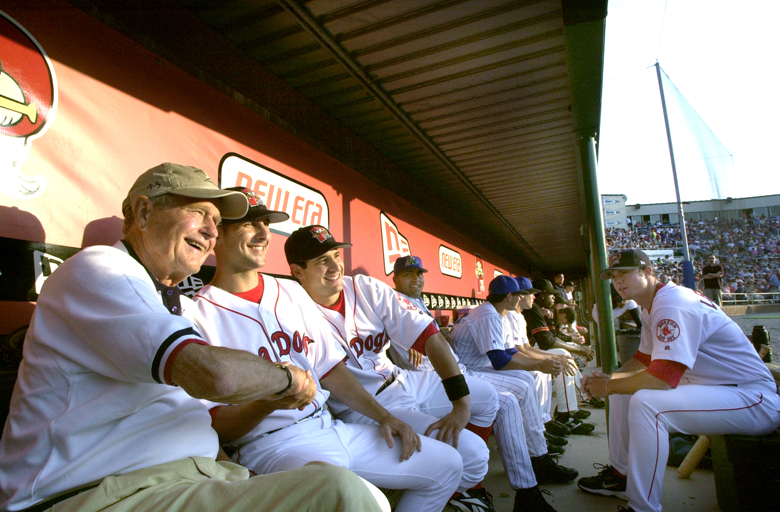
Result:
pixel 748 249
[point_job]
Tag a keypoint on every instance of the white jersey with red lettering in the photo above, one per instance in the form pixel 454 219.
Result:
pixel 374 312
pixel 286 326
pixel 726 389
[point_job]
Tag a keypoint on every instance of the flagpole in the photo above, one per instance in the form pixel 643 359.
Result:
pixel 688 277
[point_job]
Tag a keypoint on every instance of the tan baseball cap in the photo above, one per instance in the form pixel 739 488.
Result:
pixel 183 180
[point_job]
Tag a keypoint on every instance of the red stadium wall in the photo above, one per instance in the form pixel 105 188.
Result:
pixel 121 110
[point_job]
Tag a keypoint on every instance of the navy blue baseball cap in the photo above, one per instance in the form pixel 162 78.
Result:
pixel 502 285
pixel 526 288
pixel 407 262
pixel 625 260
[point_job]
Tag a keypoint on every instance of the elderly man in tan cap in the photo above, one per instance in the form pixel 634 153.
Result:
pixel 103 414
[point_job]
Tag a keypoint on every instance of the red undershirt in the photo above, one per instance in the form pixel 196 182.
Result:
pixel 670 372
pixel 255 294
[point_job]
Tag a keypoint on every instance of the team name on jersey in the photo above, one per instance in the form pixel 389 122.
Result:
pixel 284 345
pixel 370 343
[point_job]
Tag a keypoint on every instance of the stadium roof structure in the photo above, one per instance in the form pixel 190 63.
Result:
pixel 470 109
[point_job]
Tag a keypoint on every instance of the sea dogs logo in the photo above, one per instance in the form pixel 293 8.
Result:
pixel 320 233
pixel 667 330
pixel 28 102
pixel 614 259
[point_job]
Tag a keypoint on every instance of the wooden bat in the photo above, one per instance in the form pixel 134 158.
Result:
pixel 694 456
pixel 27 109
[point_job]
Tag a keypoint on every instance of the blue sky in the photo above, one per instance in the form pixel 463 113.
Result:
pixel 722 56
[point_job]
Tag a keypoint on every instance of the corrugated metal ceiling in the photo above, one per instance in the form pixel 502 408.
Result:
pixel 471 98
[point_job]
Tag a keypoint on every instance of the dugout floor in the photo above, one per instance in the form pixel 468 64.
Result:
pixel 696 494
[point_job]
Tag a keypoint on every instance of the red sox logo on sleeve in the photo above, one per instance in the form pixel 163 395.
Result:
pixel 320 233
pixel 405 302
pixel 667 330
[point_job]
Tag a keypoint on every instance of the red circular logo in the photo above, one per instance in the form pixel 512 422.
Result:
pixel 667 330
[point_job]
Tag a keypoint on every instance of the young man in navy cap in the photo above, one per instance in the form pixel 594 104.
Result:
pixel 364 313
pixel 695 373
pixel 483 342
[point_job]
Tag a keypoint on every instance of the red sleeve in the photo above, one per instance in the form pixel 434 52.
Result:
pixel 419 344
pixel 642 358
pixel 213 412
pixel 668 371
pixel 174 353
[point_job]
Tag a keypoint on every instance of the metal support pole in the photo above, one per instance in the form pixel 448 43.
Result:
pixel 598 252
pixel 688 276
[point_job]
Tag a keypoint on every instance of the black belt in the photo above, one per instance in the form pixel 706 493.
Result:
pixel 64 495
pixel 384 386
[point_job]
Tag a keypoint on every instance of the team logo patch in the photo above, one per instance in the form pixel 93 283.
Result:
pixel 320 233
pixel 405 303
pixel 253 198
pixel 614 259
pixel 667 330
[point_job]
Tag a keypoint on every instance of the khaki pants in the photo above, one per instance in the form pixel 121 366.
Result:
pixel 202 484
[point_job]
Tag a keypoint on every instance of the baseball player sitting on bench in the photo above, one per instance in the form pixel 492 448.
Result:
pixel 103 415
pixel 695 373
pixel 557 371
pixel 363 314
pixel 275 318
pixel 509 428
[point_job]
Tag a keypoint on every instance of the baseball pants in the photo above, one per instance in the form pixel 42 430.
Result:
pixel 565 386
pixel 544 389
pixel 199 483
pixel 418 398
pixel 639 427
pixel 522 385
pixel 430 477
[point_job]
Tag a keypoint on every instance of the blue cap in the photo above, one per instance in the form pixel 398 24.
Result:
pixel 502 285
pixel 525 286
pixel 407 262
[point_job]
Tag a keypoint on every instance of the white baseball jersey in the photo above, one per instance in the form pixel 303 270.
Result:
pixel 285 327
pixel 93 396
pixel 562 386
pixel 401 357
pixel 726 390
pixel 374 312
pixel 481 331
pixel 688 328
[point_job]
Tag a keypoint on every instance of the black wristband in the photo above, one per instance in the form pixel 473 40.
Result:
pixel 289 379
pixel 456 387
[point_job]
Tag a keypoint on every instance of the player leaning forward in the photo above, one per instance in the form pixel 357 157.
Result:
pixel 695 373
pixel 275 318
pixel 103 416
pixel 363 312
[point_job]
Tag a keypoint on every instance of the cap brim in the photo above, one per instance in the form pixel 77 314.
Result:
pixel 605 274
pixel 530 291
pixel 272 216
pixel 232 205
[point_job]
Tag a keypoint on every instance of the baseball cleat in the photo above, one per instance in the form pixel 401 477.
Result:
pixel 607 483
pixel 548 471
pixel 474 500
pixel 531 500
pixel 556 440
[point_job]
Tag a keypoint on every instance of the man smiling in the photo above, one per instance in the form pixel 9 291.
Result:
pixel 103 415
